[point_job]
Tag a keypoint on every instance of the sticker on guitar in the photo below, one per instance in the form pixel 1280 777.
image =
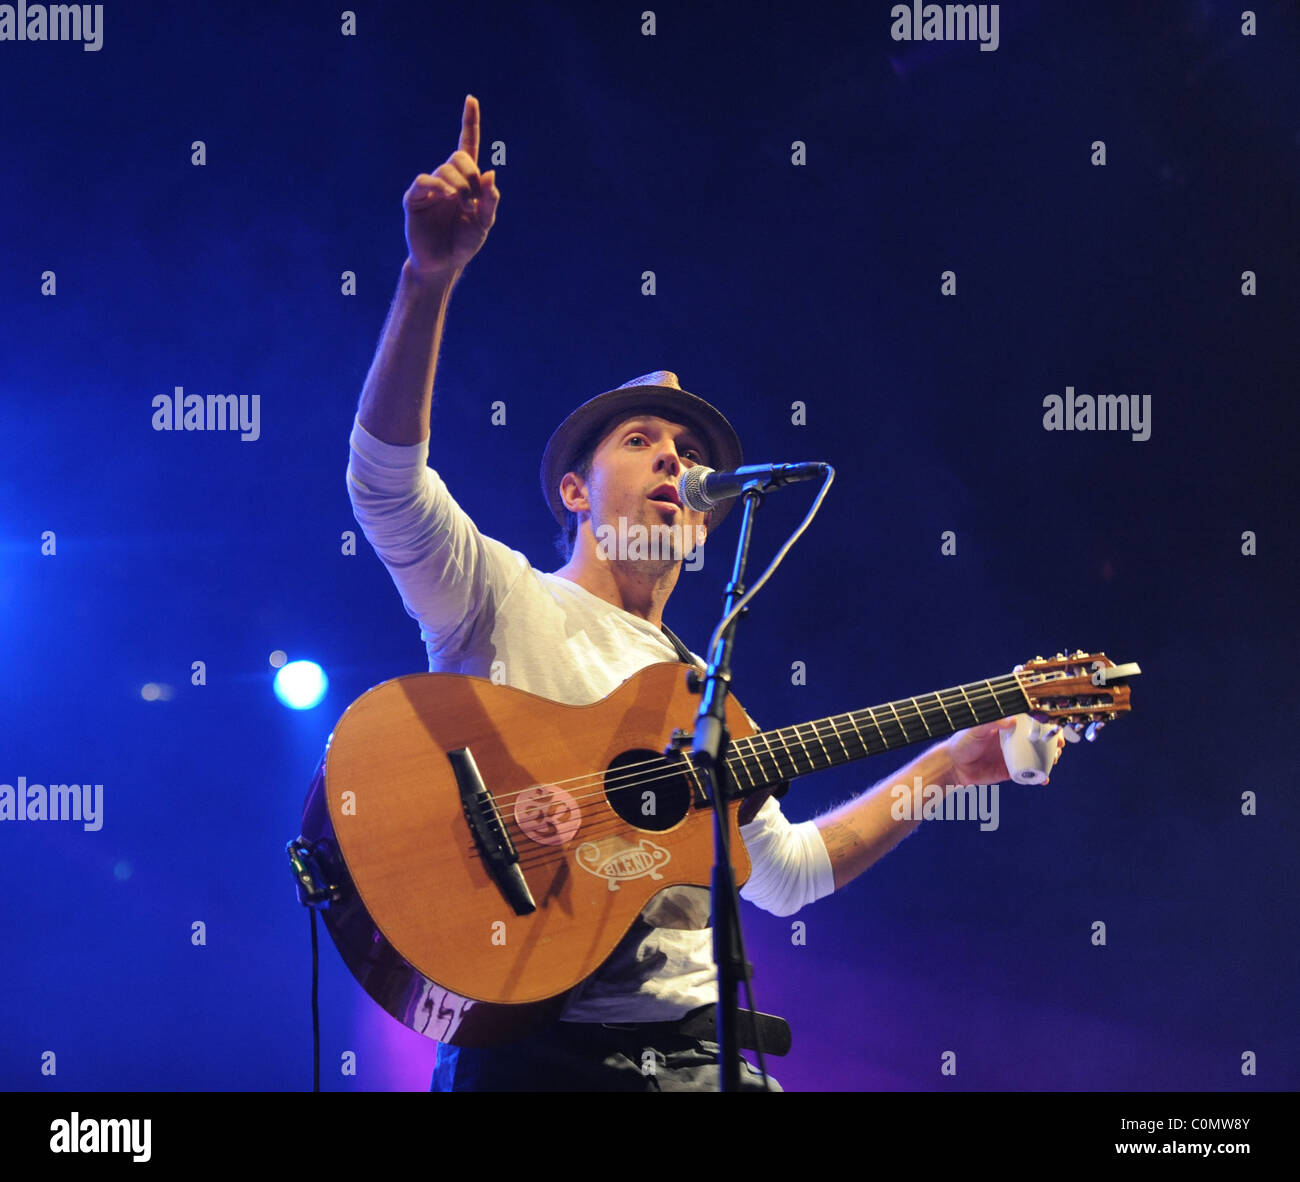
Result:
pixel 624 863
pixel 547 814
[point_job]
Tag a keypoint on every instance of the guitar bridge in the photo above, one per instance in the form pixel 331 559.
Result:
pixel 490 834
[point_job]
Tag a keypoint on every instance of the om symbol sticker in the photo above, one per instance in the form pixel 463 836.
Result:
pixel 547 814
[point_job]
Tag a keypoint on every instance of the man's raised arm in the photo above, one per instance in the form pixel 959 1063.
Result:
pixel 448 216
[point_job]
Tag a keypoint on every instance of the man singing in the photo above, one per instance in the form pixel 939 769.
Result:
pixel 610 470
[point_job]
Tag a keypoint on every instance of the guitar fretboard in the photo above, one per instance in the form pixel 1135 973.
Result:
pixel 772 756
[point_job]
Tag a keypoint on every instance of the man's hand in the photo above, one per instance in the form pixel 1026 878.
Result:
pixel 449 213
pixel 976 754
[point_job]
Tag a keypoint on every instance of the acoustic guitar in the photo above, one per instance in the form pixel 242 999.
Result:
pixel 481 850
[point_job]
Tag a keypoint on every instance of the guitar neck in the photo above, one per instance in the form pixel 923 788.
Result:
pixel 760 760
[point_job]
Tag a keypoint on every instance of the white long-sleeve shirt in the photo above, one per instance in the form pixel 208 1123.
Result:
pixel 479 603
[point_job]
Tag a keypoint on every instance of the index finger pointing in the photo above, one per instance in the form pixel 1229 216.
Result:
pixel 469 128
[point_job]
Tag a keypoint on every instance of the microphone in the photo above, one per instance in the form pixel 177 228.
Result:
pixel 702 488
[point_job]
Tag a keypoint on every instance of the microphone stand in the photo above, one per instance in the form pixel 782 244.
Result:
pixel 710 751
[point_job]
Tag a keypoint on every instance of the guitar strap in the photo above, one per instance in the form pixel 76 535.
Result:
pixel 683 653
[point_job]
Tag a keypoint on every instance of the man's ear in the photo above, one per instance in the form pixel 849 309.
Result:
pixel 573 492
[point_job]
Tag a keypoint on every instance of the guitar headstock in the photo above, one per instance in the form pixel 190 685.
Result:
pixel 1077 691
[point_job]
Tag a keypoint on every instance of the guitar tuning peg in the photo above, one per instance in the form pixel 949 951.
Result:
pixel 1072 731
pixel 1093 730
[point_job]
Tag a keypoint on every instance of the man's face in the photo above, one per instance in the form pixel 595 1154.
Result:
pixel 634 473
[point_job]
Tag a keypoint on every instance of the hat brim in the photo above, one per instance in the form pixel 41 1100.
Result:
pixel 587 425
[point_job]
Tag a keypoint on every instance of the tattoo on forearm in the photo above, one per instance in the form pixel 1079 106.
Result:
pixel 841 841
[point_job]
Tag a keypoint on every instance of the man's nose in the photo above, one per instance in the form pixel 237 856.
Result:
pixel 668 459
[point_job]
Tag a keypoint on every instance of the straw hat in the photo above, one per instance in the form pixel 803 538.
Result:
pixel 658 393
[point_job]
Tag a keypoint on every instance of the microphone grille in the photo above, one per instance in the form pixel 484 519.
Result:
pixel 691 488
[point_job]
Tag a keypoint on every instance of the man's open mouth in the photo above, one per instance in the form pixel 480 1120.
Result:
pixel 666 495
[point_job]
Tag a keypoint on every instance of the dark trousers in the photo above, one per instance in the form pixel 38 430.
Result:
pixel 590 1057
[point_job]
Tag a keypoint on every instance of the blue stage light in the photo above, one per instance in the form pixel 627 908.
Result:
pixel 300 685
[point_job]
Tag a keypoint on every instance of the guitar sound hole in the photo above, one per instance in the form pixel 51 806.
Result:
pixel 647 791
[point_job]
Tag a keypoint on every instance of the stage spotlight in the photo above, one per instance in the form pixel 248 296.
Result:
pixel 300 685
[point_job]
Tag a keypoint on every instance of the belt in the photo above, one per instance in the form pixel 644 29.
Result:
pixel 703 1024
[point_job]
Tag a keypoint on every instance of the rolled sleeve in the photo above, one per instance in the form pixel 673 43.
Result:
pixel 791 867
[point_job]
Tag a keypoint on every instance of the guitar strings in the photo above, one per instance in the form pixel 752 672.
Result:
pixel 629 776
pixel 536 853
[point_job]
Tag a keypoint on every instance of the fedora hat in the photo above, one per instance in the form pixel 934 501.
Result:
pixel 658 393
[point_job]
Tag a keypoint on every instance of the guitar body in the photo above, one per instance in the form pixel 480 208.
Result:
pixel 600 821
